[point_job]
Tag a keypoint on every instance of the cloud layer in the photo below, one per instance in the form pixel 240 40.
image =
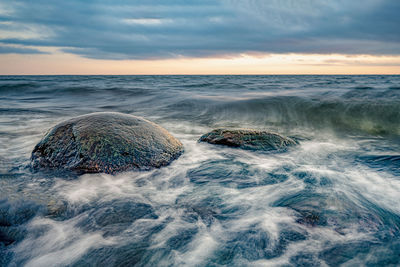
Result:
pixel 149 29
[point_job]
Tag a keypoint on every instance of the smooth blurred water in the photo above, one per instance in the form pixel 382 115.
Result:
pixel 333 200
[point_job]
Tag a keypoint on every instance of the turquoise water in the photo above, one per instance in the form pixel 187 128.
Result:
pixel 333 200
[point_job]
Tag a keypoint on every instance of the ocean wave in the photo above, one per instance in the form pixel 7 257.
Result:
pixel 372 117
pixel 17 87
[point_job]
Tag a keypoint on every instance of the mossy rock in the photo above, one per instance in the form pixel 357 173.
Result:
pixel 248 139
pixel 105 142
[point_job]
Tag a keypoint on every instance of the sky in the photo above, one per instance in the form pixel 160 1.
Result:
pixel 200 37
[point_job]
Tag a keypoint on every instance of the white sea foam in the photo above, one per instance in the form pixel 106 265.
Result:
pixel 60 244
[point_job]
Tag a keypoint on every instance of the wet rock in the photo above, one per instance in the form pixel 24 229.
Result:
pixel 248 139
pixel 105 142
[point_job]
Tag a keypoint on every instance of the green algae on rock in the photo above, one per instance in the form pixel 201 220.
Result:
pixel 248 139
pixel 105 142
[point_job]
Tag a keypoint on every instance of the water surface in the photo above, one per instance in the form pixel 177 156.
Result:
pixel 333 200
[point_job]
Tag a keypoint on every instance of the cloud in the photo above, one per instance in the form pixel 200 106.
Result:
pixel 152 29
pixel 5 49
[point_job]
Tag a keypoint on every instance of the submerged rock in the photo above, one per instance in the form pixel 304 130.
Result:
pixel 105 142
pixel 248 139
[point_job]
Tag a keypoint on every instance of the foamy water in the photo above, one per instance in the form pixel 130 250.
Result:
pixel 332 200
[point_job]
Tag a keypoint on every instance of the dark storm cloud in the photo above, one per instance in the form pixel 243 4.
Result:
pixel 164 29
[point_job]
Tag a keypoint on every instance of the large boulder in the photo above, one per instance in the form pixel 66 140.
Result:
pixel 105 142
pixel 248 139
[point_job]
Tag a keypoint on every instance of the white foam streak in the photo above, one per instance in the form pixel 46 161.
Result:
pixel 199 250
pixel 383 190
pixel 61 244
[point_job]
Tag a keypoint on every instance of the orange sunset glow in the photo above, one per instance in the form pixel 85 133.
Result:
pixel 69 64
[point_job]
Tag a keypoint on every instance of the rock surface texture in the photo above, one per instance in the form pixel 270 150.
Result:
pixel 248 139
pixel 105 142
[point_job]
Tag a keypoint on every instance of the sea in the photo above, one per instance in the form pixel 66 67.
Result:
pixel 333 200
